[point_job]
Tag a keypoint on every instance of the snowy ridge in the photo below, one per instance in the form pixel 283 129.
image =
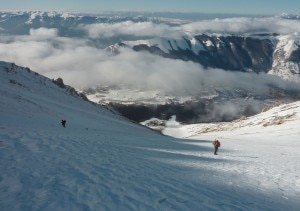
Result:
pixel 32 17
pixel 275 119
pixel 34 90
pixel 168 45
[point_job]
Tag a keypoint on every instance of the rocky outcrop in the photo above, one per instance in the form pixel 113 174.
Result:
pixel 287 58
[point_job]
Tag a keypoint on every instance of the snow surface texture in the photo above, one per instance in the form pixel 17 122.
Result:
pixel 265 149
pixel 101 161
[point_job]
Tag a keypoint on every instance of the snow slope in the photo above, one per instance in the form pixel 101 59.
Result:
pixel 264 148
pixel 101 161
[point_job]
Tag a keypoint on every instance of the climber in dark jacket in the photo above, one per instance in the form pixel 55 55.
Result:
pixel 63 123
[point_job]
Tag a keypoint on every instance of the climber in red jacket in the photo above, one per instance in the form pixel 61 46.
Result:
pixel 216 144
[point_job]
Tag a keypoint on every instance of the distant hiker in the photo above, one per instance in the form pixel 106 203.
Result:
pixel 63 122
pixel 216 144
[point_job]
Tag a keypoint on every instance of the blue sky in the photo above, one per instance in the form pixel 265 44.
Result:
pixel 203 6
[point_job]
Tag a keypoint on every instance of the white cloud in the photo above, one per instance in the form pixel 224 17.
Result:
pixel 82 66
pixel 227 25
pixel 130 28
pixel 44 32
pixel 244 25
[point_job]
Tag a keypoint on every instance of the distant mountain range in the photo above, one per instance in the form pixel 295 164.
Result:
pixel 264 52
pixel 20 23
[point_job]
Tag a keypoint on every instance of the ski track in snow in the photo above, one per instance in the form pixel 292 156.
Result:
pixel 101 161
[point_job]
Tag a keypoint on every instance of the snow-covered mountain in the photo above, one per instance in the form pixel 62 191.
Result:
pixel 272 53
pixel 237 53
pixel 70 24
pixel 283 117
pixel 101 161
pixel 21 22
pixel 286 58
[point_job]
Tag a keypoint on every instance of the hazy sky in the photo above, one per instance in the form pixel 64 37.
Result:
pixel 203 6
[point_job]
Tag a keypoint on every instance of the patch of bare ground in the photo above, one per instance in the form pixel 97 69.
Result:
pixel 273 105
pixel 278 120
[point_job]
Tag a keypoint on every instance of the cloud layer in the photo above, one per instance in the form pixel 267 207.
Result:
pixel 244 25
pixel 43 33
pixel 83 66
pixel 228 25
pixel 139 29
